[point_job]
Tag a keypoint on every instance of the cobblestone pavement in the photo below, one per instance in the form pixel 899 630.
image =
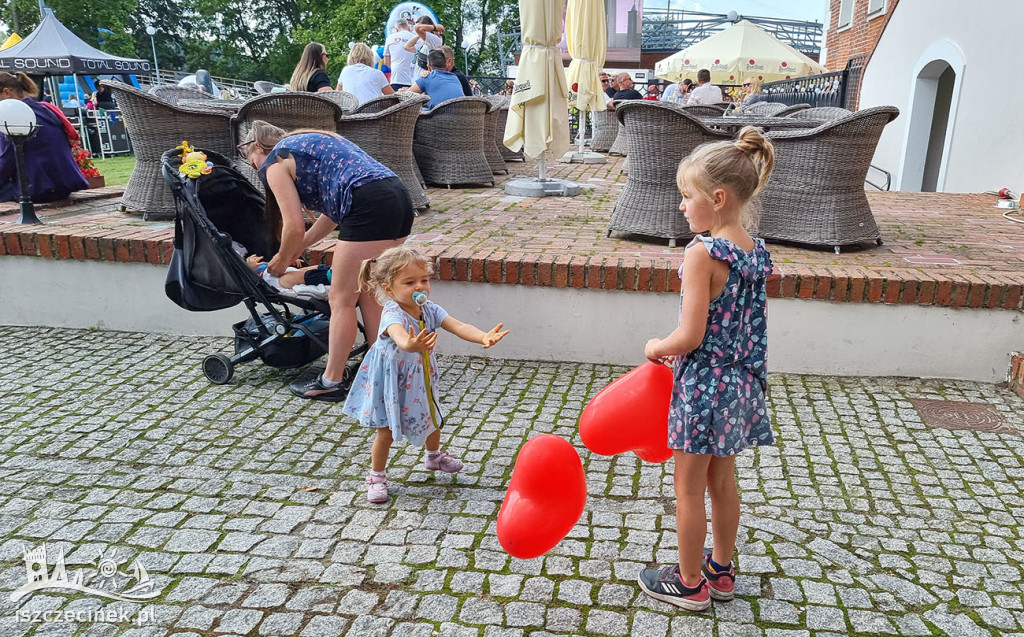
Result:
pixel 246 506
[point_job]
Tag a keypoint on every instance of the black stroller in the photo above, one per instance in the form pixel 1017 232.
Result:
pixel 215 214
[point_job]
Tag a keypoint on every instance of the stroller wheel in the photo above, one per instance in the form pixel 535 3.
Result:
pixel 218 368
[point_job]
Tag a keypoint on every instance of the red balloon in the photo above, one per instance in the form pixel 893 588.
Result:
pixel 545 497
pixel 631 414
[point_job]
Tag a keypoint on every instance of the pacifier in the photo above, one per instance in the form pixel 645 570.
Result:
pixel 419 298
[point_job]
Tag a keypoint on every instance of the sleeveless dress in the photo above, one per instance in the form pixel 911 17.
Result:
pixel 389 389
pixel 327 170
pixel 718 398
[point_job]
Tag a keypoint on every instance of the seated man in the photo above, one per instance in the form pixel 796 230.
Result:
pixel 439 85
pixel 626 90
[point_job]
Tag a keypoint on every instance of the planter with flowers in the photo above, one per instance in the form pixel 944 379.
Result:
pixel 84 160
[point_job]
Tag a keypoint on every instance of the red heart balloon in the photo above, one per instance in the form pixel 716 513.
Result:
pixel 631 414
pixel 545 497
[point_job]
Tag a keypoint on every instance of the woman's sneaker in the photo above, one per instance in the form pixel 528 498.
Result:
pixel 721 585
pixel 315 389
pixel 443 462
pixel 376 489
pixel 664 584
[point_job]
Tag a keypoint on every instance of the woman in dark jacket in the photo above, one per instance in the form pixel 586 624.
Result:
pixel 50 166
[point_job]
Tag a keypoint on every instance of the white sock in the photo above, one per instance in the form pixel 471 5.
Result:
pixel 378 474
pixel 328 383
pixel 433 454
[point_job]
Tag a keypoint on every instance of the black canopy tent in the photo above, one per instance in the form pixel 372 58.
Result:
pixel 52 49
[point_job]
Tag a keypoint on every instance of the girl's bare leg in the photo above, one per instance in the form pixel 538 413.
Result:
pixel 691 520
pixel 725 507
pixel 381 447
pixel 433 442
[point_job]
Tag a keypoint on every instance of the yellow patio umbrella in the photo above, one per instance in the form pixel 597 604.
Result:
pixel 585 34
pixel 11 41
pixel 743 50
pixel 538 117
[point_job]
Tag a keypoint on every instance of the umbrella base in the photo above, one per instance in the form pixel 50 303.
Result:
pixel 576 157
pixel 533 187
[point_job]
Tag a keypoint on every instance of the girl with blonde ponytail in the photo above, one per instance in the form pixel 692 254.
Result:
pixel 718 359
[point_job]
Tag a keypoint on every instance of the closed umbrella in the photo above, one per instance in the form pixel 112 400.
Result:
pixel 587 38
pixel 741 51
pixel 538 117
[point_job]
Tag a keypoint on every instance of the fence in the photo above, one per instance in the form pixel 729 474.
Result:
pixel 826 89
pixel 239 89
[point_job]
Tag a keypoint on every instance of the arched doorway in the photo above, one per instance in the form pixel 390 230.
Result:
pixel 931 117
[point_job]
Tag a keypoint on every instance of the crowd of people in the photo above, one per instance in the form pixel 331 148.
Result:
pixel 417 57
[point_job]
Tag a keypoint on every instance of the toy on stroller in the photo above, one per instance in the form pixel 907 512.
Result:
pixel 220 214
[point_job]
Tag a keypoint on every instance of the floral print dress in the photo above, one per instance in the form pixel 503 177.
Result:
pixel 390 389
pixel 718 398
pixel 327 170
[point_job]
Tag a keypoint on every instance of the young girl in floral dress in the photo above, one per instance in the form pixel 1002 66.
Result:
pixel 718 352
pixel 395 389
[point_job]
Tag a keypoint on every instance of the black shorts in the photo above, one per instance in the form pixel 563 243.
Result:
pixel 380 210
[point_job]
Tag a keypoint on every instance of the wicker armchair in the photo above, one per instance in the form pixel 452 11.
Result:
pixel 289 110
pixel 347 101
pixel 822 113
pixel 171 93
pixel 263 87
pixel 499 135
pixel 491 146
pixel 449 143
pixel 387 137
pixel 606 129
pixel 764 108
pixel 649 202
pixel 378 104
pixel 704 110
pixel 789 110
pixel 815 195
pixel 156 126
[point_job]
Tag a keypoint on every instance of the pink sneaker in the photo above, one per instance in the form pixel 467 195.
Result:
pixel 443 462
pixel 376 489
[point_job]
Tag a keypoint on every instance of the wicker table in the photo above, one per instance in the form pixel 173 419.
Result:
pixel 221 107
pixel 734 123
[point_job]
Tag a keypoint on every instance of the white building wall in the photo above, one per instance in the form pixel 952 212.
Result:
pixel 593 326
pixel 986 132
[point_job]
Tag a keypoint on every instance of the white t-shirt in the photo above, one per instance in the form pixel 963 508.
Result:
pixel 430 42
pixel 705 94
pixel 362 81
pixel 402 61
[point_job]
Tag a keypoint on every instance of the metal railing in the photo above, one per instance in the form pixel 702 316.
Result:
pixel 239 89
pixel 826 89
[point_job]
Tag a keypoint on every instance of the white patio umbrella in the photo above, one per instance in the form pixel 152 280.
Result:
pixel 736 53
pixel 587 38
pixel 538 116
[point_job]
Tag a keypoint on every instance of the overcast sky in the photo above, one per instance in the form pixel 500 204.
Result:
pixel 789 9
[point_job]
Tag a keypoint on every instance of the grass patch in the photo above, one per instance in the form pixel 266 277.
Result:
pixel 115 170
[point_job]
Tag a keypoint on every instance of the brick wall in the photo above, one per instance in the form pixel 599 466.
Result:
pixel 856 41
pixel 1017 373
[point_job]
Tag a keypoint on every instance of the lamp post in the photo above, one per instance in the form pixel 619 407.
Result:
pixel 18 123
pixel 465 56
pixel 151 30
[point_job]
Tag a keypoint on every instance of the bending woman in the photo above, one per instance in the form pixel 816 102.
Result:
pixel 49 165
pixel 354 193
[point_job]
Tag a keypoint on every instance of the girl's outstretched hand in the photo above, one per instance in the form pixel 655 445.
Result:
pixel 492 337
pixel 424 341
